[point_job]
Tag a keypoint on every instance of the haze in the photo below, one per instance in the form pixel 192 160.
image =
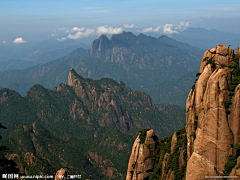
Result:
pixel 32 21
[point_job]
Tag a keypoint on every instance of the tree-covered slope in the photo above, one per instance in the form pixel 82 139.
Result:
pixel 97 119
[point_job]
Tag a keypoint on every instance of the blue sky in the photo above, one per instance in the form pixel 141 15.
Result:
pixel 37 20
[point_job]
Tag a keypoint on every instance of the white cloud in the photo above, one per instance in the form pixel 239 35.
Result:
pixel 168 28
pixel 53 35
pixel 151 29
pixel 183 26
pixel 157 29
pixel 4 42
pixel 60 29
pixel 62 39
pixel 108 30
pixel 81 34
pixel 75 29
pixel 147 30
pixel 19 41
pixel 129 26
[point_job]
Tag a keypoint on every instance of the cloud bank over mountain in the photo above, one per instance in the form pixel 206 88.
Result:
pixel 83 32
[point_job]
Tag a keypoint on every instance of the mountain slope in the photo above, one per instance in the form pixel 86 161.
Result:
pixel 96 118
pixel 174 92
pixel 140 61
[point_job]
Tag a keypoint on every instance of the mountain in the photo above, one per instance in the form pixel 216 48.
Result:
pixel 142 62
pixel 174 92
pixel 36 142
pixel 93 121
pixel 206 39
pixel 41 59
pixel 50 50
pixel 209 144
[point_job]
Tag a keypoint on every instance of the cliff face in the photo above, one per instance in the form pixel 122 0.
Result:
pixel 141 161
pixel 211 144
pixel 153 159
pixel 114 102
pixel 208 125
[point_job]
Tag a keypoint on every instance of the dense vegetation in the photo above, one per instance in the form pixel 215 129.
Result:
pixel 103 120
pixel 142 135
pixel 6 165
pixel 173 158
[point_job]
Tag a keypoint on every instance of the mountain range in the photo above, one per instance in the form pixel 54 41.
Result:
pixel 206 39
pixel 88 121
pixel 142 62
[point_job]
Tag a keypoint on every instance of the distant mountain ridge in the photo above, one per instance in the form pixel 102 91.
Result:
pixel 206 39
pixel 142 62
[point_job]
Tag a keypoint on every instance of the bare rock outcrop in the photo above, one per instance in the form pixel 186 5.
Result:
pixel 238 52
pixel 207 125
pixel 173 142
pixel 164 164
pixel 141 162
pixel 62 174
pixel 221 55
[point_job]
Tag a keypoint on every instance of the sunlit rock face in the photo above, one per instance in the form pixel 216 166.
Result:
pixel 206 116
pixel 141 162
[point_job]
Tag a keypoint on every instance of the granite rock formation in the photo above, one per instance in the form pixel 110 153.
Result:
pixel 220 54
pixel 209 143
pixel 141 162
pixel 208 119
pixel 166 158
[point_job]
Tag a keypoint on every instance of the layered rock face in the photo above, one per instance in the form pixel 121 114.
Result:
pixel 141 162
pixel 210 130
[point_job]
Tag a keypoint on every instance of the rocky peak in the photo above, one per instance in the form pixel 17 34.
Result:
pixel 164 37
pixel 73 77
pixel 103 42
pixel 238 52
pixel 107 95
pixel 221 55
pixel 6 94
pixel 99 45
pixel 141 162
